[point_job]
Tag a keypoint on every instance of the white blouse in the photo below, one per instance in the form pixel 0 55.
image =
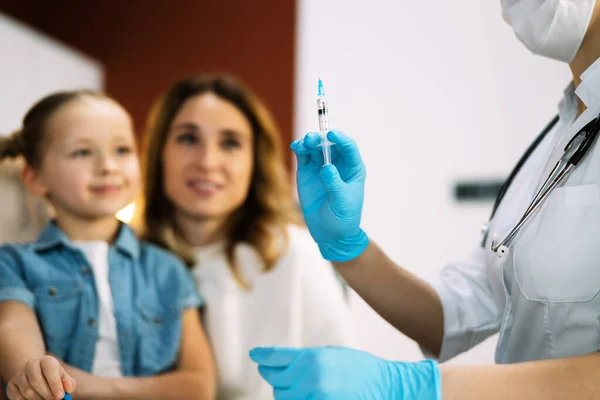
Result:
pixel 299 303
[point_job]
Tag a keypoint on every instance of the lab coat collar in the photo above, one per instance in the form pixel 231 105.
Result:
pixel 588 91
pixel 589 88
pixel 568 107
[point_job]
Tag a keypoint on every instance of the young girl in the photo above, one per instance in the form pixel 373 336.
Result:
pixel 218 193
pixel 104 306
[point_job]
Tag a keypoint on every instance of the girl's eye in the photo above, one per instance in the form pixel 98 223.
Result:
pixel 81 153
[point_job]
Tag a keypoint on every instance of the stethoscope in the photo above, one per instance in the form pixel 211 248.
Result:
pixel 575 150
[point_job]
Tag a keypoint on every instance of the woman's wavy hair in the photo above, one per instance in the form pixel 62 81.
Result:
pixel 262 220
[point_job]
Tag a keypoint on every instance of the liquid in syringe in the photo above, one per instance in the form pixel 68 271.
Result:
pixel 323 123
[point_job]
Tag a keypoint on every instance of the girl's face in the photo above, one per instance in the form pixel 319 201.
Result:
pixel 90 168
pixel 208 158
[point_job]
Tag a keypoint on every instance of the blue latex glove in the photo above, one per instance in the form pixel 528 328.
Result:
pixel 332 373
pixel 331 196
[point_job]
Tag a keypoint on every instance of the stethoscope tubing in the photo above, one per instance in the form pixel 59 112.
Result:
pixel 575 150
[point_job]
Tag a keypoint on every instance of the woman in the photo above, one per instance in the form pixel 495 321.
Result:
pixel 217 193
pixel 540 292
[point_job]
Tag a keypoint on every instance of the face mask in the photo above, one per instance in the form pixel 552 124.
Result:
pixel 550 28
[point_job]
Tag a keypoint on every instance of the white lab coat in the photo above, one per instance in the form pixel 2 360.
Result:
pixel 543 297
pixel 300 303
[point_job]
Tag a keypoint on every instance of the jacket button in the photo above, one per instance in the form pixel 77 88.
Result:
pixel 53 291
pixel 85 270
pixel 92 322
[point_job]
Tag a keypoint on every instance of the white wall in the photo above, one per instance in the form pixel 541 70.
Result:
pixel 433 91
pixel 33 65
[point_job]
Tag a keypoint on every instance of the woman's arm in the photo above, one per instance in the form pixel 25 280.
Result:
pixel 576 378
pixel 459 313
pixel 404 300
pixel 193 379
pixel 300 373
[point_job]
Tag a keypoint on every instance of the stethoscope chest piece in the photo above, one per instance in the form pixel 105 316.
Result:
pixel 502 251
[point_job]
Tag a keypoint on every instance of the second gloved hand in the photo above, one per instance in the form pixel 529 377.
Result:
pixel 332 196
pixel 332 373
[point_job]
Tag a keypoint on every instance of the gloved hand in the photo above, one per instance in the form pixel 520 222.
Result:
pixel 331 196
pixel 332 373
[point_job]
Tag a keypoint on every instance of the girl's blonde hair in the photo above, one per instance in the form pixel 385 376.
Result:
pixel 27 146
pixel 30 141
pixel 263 218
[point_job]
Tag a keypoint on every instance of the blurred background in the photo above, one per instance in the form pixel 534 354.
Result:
pixel 439 95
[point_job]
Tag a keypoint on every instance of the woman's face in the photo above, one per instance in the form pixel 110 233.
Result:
pixel 208 158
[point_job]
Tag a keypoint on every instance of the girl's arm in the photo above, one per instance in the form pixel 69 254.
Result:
pixel 193 379
pixel 24 366
pixel 20 338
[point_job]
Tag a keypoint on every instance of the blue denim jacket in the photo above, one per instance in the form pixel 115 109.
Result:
pixel 150 289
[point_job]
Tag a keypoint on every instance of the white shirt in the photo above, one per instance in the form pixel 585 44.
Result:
pixel 543 297
pixel 299 303
pixel 107 359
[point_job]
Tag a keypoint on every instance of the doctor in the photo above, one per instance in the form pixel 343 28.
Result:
pixel 542 295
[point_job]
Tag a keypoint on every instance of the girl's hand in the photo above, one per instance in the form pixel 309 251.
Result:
pixel 40 379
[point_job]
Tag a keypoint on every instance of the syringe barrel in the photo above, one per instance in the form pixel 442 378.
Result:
pixel 323 117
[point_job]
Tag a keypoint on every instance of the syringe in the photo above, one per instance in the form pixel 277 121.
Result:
pixel 323 123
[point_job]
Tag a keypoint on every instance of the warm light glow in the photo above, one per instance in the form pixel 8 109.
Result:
pixel 126 213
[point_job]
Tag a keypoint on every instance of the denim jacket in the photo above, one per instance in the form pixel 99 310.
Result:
pixel 150 289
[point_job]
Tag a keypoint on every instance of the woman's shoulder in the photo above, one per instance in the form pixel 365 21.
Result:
pixel 301 246
pixel 299 236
